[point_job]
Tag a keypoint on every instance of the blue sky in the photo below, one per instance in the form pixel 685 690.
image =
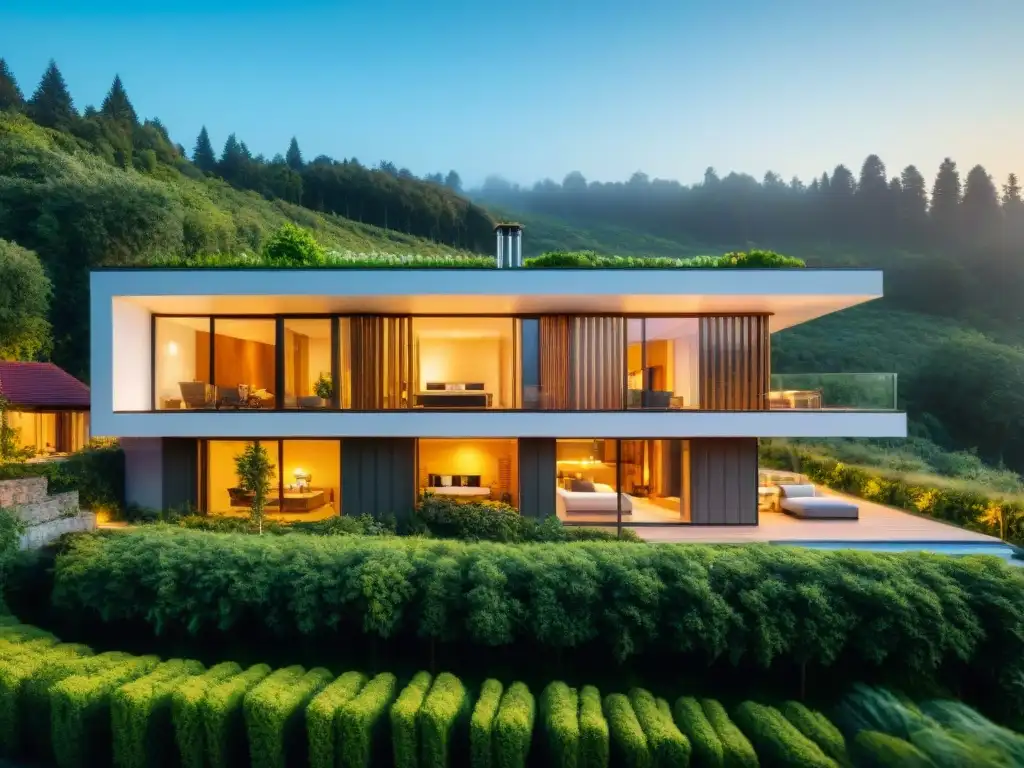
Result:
pixel 541 87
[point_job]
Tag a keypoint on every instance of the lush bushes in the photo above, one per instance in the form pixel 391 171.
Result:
pixel 694 724
pixel 591 260
pixel 223 719
pixel 481 725
pixel 628 741
pixel 512 732
pixel 818 728
pixel 404 713
pixel 559 713
pixel 880 750
pixel 666 744
pixel 593 730
pixel 362 720
pixel 273 716
pixel 777 742
pixel 441 721
pixel 993 514
pixel 186 712
pixel 96 472
pixel 737 751
pixel 959 618
pixel 321 715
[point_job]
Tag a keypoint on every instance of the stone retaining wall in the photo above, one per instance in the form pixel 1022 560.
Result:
pixel 26 490
pixel 46 517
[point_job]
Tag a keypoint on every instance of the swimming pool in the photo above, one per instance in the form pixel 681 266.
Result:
pixel 999 549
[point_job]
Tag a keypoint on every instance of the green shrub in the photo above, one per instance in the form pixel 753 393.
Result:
pixel 37 712
pixel 777 741
pixel 140 715
pixel 274 716
pixel 80 712
pixel 512 730
pixel 96 472
pixel 481 725
pixel 14 672
pixel 665 743
pixel 818 728
pixel 737 751
pixel 593 730
pixel 223 721
pixel 691 720
pixel 629 745
pixel 442 719
pixel 322 715
pixel 880 750
pixel 956 619
pixel 961 719
pixel 362 722
pixel 186 714
pixel 560 718
pixel 405 710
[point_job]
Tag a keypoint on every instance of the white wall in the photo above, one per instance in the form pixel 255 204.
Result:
pixel 130 346
pixel 460 361
pixel 686 380
pixel 175 352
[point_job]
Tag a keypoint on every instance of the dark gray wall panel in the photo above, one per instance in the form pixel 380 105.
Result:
pixel 537 476
pixel 723 481
pixel 378 476
pixel 180 472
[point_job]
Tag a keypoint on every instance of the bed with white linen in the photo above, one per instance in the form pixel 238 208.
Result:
pixel 601 501
pixel 464 492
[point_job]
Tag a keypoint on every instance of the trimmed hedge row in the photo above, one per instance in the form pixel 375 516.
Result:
pixel 136 711
pixel 958 618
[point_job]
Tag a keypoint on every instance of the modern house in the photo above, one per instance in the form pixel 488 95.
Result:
pixel 632 395
pixel 46 407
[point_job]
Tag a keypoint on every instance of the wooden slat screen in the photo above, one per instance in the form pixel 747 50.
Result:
pixel 555 347
pixel 735 363
pixel 598 363
pixel 381 359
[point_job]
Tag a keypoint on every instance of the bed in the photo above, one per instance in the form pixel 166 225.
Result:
pixel 585 498
pixel 454 395
pixel 457 486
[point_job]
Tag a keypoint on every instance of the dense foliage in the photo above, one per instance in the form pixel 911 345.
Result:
pixel 96 472
pixel 959 620
pixel 24 304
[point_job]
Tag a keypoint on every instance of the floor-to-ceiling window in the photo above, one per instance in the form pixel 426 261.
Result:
pixel 181 351
pixel 50 432
pixel 663 362
pixel 308 380
pixel 470 469
pixel 463 362
pixel 244 362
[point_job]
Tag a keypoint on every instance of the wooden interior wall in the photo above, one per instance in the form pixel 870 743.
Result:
pixel 298 382
pixel 203 356
pixel 236 361
pixel 735 363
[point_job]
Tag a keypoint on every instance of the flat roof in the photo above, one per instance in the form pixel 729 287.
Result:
pixel 792 296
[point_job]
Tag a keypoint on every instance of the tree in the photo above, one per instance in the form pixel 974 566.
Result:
pixel 292 244
pixel 453 181
pixel 945 200
pixel 294 156
pixel 232 160
pixel 912 204
pixel 1013 212
pixel 574 181
pixel 24 303
pixel 202 154
pixel 255 470
pixel 51 105
pixel 11 97
pixel 980 207
pixel 117 105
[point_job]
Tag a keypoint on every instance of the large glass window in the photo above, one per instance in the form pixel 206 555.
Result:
pixel 182 363
pixel 308 382
pixel 49 433
pixel 223 494
pixel 463 362
pixel 663 360
pixel 656 476
pixel 470 470
pixel 245 362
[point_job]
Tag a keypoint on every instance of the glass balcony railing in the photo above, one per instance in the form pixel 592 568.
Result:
pixel 833 391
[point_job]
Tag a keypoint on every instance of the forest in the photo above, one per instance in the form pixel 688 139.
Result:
pixel 105 186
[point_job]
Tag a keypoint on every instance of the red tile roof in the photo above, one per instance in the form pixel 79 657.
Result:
pixel 41 385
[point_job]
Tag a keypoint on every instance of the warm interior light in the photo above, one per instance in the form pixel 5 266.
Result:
pixel 172 348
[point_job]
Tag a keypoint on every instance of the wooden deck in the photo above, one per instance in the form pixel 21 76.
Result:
pixel 877 523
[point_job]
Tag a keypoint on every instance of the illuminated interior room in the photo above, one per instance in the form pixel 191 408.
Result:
pixel 306 482
pixel 470 470
pixel 463 362
pixel 588 475
pixel 307 363
pixel 663 362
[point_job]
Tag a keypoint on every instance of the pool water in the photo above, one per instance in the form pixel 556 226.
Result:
pixel 941 547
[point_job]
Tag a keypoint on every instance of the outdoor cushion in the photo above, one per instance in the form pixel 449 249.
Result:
pixel 796 491
pixel 820 508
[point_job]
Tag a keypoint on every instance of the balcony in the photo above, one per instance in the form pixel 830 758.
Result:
pixel 833 392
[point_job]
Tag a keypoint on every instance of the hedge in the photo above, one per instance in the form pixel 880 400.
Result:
pixel 442 719
pixel 362 721
pixel 404 712
pixel 15 671
pixel 665 743
pixel 629 745
pixel 593 730
pixel 777 741
pixel 880 750
pixel 513 727
pixel 737 751
pixel 223 720
pixel 960 619
pixel 186 712
pixel 691 720
pixel 322 714
pixel 80 720
pixel 481 725
pixel 560 718
pixel 140 715
pixel 818 728
pixel 274 715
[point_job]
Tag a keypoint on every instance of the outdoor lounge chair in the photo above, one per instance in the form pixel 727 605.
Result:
pixel 800 501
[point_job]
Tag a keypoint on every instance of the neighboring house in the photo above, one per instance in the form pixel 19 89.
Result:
pixel 48 408
pixel 596 395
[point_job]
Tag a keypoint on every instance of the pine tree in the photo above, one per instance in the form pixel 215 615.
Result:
pixel 945 199
pixel 202 154
pixel 980 207
pixel 51 105
pixel 453 181
pixel 11 97
pixel 1013 212
pixel 117 105
pixel 913 202
pixel 294 156
pixel 232 160
pixel 1011 191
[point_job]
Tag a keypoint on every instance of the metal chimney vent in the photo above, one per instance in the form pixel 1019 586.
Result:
pixel 510 245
